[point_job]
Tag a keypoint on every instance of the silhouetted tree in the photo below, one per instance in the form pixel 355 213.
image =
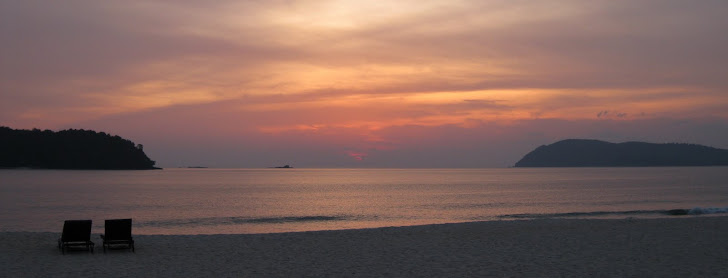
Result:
pixel 69 149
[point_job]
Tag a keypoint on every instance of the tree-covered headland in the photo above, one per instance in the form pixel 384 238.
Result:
pixel 70 149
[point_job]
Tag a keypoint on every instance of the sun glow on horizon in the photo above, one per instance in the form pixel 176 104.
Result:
pixel 355 76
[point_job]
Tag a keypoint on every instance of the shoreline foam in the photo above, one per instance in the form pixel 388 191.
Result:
pixel 664 247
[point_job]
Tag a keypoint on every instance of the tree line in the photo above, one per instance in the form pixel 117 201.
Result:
pixel 69 149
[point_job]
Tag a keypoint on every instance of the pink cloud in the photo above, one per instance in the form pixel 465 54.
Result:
pixel 359 156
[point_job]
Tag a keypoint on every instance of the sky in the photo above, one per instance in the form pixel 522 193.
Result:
pixel 404 83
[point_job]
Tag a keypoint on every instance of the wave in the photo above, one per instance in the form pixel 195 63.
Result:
pixel 596 214
pixel 282 220
pixel 290 219
pixel 698 210
pixel 236 220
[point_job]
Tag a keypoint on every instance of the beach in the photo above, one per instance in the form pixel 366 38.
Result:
pixel 667 247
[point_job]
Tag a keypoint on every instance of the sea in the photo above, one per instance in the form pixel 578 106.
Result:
pixel 188 201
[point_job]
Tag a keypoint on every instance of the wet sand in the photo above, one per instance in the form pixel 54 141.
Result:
pixel 670 247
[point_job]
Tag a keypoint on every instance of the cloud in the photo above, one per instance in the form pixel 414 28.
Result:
pixel 218 135
pixel 611 114
pixel 360 76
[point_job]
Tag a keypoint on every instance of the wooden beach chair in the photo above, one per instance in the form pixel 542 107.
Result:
pixel 117 234
pixel 76 233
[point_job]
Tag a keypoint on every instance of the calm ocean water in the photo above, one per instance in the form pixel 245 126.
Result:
pixel 213 201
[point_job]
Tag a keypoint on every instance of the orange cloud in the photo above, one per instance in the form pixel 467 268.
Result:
pixel 344 74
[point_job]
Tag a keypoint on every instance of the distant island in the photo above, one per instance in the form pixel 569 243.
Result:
pixel 283 167
pixel 595 153
pixel 70 149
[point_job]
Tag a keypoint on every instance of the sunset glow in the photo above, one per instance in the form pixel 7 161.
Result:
pixel 329 83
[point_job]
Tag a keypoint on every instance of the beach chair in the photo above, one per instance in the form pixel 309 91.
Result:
pixel 76 233
pixel 117 234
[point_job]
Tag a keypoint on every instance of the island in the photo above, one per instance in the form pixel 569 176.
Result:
pixel 70 149
pixel 595 153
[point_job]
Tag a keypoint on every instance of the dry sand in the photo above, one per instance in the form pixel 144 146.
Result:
pixel 674 247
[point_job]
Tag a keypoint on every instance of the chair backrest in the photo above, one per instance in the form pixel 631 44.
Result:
pixel 76 230
pixel 117 229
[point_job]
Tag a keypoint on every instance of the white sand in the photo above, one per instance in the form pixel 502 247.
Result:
pixel 675 247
